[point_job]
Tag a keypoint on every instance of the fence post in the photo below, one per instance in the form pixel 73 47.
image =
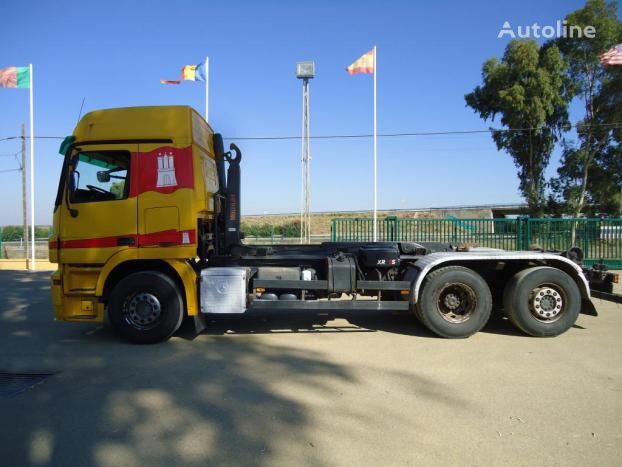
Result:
pixel 391 223
pixel 586 233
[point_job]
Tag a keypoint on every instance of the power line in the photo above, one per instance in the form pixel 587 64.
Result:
pixel 387 135
pixel 14 154
pixel 8 138
pixel 422 133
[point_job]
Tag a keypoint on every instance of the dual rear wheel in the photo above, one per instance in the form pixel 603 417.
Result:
pixel 456 302
pixel 542 301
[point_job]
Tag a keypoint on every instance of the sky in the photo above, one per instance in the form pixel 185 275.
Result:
pixel 113 54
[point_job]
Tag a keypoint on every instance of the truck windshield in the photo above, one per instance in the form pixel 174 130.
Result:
pixel 100 176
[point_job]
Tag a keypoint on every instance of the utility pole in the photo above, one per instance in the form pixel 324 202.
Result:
pixel 24 200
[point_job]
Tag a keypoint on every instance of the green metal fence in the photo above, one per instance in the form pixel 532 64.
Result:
pixel 600 239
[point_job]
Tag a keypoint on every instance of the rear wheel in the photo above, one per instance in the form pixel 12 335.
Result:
pixel 146 307
pixel 454 302
pixel 542 301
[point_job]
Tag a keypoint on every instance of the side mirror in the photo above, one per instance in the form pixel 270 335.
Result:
pixel 103 177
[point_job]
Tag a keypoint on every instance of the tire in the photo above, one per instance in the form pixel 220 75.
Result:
pixel 146 307
pixel 454 302
pixel 542 301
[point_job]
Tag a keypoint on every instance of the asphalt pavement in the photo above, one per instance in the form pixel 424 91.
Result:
pixel 375 389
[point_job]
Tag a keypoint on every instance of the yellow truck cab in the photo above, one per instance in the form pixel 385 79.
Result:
pixel 147 233
pixel 135 185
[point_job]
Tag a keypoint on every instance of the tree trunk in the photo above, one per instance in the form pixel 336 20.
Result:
pixel 589 156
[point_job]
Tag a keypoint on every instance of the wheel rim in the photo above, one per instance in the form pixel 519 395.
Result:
pixel 456 302
pixel 142 311
pixel 547 303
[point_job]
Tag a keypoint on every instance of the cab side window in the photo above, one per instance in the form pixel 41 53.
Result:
pixel 100 176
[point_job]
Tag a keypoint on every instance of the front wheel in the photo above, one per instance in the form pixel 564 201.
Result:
pixel 542 301
pixel 455 302
pixel 146 307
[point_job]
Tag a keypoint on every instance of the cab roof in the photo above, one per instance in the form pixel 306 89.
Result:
pixel 175 122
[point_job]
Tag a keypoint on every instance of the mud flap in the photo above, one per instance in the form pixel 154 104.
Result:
pixel 588 308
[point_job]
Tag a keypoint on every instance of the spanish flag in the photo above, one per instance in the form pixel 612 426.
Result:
pixel 365 64
pixel 188 73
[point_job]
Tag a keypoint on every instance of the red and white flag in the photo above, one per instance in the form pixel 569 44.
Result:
pixel 365 64
pixel 612 56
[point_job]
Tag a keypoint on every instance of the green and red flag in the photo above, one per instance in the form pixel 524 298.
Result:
pixel 15 77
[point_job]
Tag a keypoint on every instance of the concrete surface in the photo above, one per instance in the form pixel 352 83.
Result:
pixel 24 264
pixel 373 390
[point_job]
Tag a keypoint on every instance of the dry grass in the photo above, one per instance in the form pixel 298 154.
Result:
pixel 320 222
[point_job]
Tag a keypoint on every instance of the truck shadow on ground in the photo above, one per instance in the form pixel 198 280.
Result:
pixel 215 401
pixel 360 322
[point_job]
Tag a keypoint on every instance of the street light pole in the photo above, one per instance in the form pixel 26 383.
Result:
pixel 305 71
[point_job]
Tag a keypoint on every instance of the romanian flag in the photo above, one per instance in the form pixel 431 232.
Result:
pixel 15 77
pixel 189 73
pixel 365 64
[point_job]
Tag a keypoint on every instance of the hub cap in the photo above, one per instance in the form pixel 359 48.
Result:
pixel 456 302
pixel 546 303
pixel 143 311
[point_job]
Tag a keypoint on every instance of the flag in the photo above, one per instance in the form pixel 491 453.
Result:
pixel 365 64
pixel 188 73
pixel 612 56
pixel 193 72
pixel 15 77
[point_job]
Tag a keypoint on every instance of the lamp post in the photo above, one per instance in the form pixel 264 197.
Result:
pixel 305 71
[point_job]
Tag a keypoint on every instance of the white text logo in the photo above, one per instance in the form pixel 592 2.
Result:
pixel 536 31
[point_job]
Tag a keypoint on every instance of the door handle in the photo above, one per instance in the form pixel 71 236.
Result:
pixel 126 241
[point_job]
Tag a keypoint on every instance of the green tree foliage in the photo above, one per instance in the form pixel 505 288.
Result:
pixel 14 233
pixel 118 189
pixel 590 172
pixel 528 90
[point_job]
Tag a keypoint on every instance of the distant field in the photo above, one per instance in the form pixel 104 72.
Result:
pixel 320 222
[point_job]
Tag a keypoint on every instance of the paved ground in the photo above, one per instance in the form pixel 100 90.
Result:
pixel 377 390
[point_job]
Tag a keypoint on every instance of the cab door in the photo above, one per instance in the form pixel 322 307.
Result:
pixel 167 220
pixel 98 214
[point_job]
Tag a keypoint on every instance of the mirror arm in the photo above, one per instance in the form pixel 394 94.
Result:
pixel 73 212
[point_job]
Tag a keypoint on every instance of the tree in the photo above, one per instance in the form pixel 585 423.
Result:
pixel 585 177
pixel 118 189
pixel 528 89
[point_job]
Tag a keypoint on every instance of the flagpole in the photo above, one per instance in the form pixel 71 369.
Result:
pixel 375 155
pixel 207 89
pixel 32 174
pixel 302 169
